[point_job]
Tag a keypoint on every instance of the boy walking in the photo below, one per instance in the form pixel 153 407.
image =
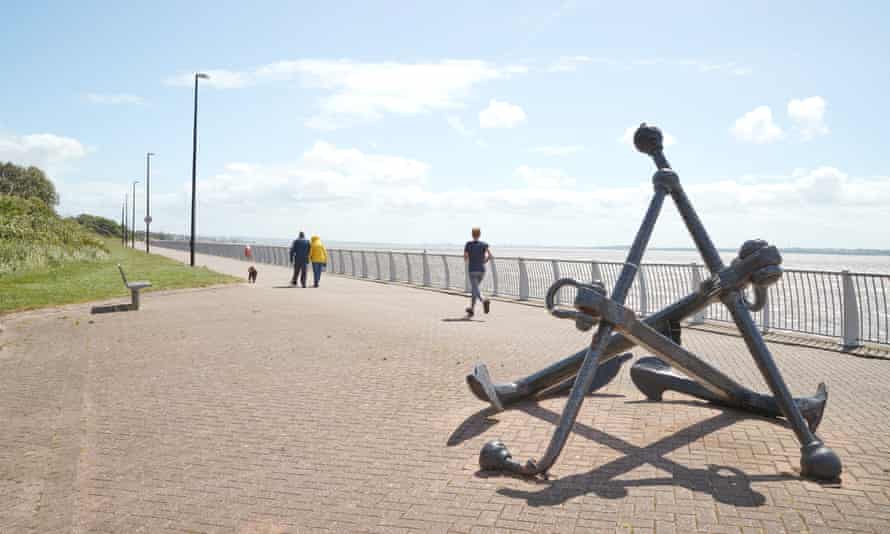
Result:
pixel 476 255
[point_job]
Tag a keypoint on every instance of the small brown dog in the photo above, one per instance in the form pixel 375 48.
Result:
pixel 251 274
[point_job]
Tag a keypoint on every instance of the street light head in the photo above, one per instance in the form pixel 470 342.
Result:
pixel 150 154
pixel 202 76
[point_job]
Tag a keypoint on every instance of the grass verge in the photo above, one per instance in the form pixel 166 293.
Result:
pixel 83 281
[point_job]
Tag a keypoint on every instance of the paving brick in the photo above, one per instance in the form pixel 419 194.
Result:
pixel 344 409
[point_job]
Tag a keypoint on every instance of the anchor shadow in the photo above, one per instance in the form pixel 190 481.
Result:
pixel 481 421
pixel 726 484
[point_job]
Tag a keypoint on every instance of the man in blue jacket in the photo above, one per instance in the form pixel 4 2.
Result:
pixel 299 256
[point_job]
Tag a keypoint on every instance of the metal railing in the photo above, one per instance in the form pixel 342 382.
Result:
pixel 852 307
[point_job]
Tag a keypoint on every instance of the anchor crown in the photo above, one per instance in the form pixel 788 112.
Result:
pixel 648 139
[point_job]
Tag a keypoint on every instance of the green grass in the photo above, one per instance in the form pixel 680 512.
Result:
pixel 83 281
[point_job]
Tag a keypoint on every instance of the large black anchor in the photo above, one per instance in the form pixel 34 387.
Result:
pixel 758 266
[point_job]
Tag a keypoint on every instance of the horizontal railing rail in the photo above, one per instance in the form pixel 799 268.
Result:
pixel 851 307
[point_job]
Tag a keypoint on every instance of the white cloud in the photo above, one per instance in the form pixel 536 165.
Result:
pixel 558 150
pixel 46 150
pixel 328 174
pixel 542 178
pixel 114 98
pixel 367 168
pixel 371 90
pixel 823 186
pixel 363 195
pixel 501 115
pixel 628 137
pixel 324 174
pixel 354 90
pixel 808 115
pixel 757 126
pixel 568 63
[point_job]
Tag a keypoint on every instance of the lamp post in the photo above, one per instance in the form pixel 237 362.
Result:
pixel 148 156
pixel 198 75
pixel 133 229
pixel 124 221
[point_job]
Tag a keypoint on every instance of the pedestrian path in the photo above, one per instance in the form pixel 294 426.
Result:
pixel 268 408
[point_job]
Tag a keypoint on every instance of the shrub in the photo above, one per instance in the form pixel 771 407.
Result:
pixel 33 236
pixel 100 225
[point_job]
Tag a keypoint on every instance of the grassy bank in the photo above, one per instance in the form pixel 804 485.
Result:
pixel 82 281
pixel 32 237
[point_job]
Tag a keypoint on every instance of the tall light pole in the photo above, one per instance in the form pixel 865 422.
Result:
pixel 148 156
pixel 198 75
pixel 133 230
pixel 124 221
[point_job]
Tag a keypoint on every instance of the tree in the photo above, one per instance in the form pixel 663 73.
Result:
pixel 30 182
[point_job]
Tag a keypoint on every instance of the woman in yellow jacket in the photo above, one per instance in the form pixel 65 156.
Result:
pixel 318 256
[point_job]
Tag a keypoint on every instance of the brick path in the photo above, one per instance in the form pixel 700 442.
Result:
pixel 270 409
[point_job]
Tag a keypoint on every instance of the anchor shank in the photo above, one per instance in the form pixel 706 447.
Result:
pixel 697 230
pixel 587 372
pixel 764 360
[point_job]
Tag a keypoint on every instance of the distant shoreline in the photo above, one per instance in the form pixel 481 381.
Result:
pixel 440 246
pixel 795 250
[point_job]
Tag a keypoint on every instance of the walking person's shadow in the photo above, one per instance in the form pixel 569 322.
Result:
pixel 462 319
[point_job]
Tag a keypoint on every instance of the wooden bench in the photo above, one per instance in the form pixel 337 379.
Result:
pixel 134 287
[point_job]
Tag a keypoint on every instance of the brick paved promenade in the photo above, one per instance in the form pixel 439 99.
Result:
pixel 270 409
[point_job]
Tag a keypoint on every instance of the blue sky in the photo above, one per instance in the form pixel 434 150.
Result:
pixel 412 122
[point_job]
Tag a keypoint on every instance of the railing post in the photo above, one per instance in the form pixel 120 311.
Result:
pixel 392 267
pixel 352 263
pixel 408 265
pixel 377 263
pixel 699 317
pixel 364 265
pixel 851 312
pixel 556 277
pixel 595 274
pixel 494 278
pixel 342 261
pixel 426 270
pixel 447 274
pixel 765 316
pixel 644 293
pixel 523 280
